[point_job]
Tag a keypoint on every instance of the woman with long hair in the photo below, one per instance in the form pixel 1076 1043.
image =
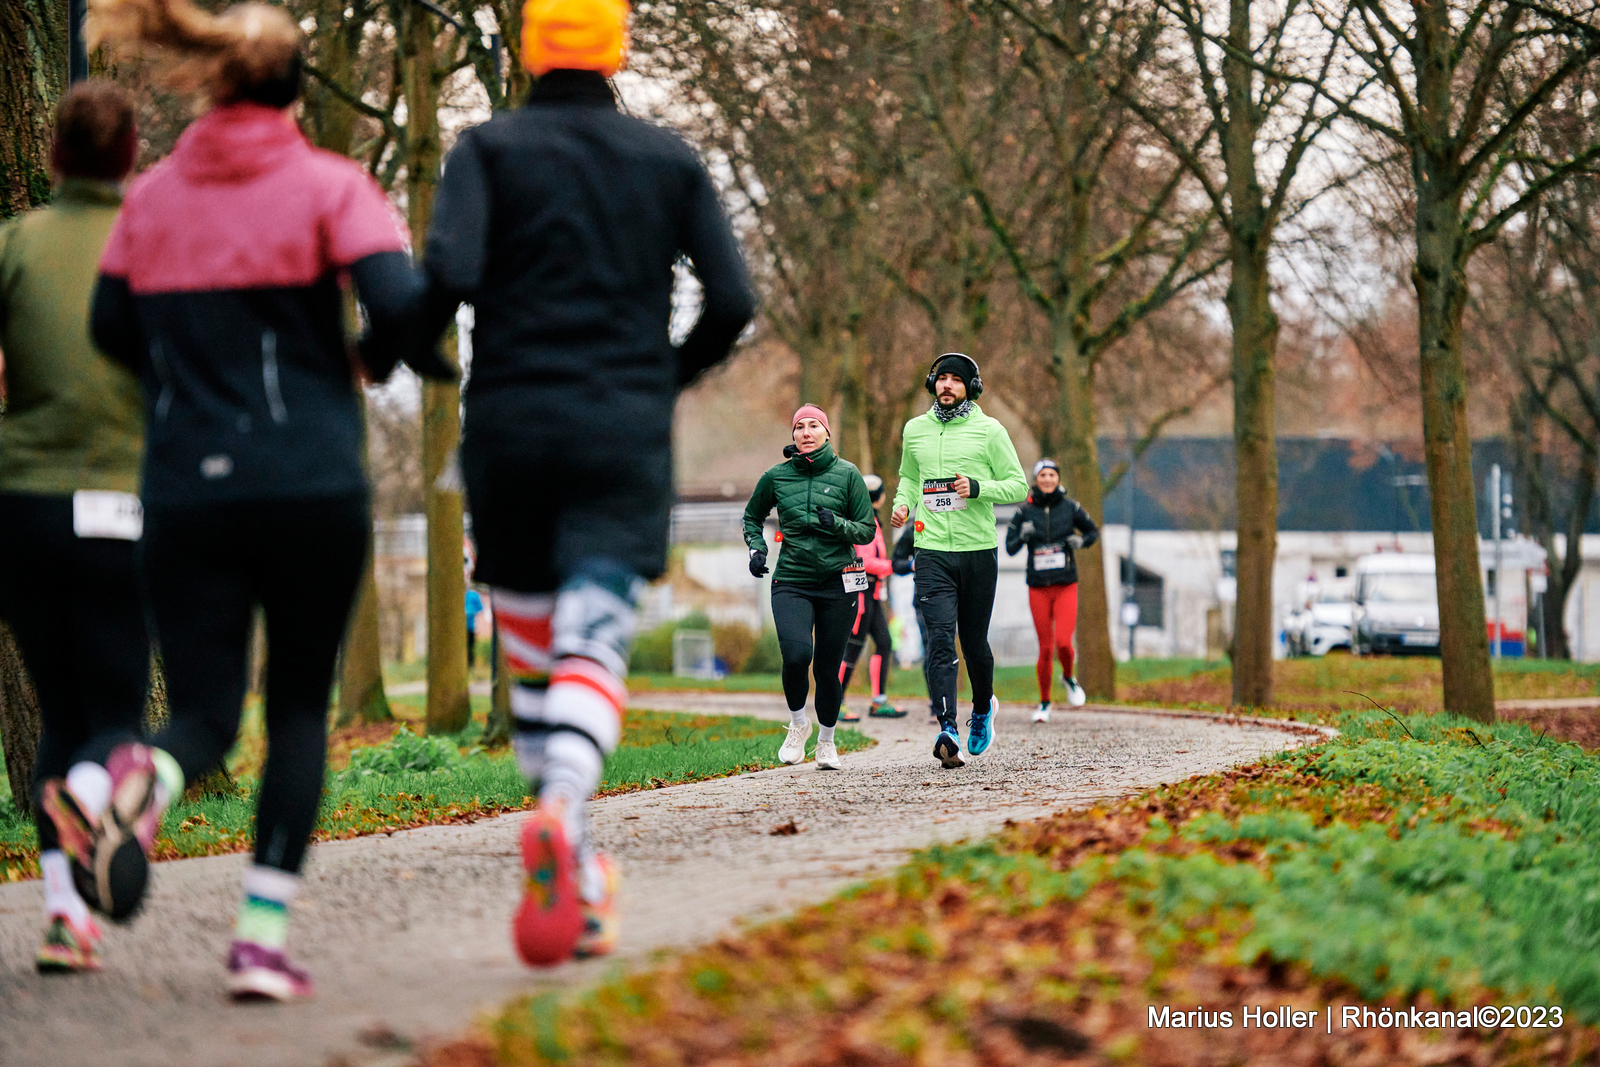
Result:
pixel 220 287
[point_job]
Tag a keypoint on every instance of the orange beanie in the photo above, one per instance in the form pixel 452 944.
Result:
pixel 574 35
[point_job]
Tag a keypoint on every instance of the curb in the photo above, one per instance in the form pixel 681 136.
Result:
pixel 1287 725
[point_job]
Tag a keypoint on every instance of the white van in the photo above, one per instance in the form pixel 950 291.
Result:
pixel 1396 604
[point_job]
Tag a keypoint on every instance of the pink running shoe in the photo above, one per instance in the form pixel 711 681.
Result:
pixel 550 919
pixel 68 947
pixel 601 923
pixel 120 866
pixel 256 972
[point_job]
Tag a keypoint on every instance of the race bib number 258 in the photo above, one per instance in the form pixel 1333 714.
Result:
pixel 939 494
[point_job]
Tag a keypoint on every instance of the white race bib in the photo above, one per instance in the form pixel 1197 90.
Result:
pixel 855 578
pixel 1049 558
pixel 939 494
pixel 108 514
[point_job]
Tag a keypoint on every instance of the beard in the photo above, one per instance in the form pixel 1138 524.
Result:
pixel 948 400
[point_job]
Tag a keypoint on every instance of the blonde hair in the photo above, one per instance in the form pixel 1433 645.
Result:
pixel 226 56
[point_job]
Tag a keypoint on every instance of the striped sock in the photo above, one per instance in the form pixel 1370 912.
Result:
pixel 264 911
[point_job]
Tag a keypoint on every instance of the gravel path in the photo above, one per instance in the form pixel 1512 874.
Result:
pixel 407 935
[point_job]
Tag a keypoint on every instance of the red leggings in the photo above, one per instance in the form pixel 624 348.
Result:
pixel 1055 617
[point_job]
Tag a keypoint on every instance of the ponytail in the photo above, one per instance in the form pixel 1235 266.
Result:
pixel 249 52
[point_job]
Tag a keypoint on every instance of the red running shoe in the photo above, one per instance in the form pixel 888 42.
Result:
pixel 550 919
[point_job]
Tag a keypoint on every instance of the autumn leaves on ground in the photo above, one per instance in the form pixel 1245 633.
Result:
pixel 1417 860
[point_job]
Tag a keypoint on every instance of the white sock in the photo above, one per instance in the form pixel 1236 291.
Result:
pixel 798 717
pixel 60 895
pixel 90 784
pixel 824 733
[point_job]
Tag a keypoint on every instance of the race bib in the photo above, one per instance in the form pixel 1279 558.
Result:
pixel 108 514
pixel 1049 558
pixel 855 578
pixel 939 494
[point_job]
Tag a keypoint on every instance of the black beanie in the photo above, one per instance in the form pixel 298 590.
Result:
pixel 960 366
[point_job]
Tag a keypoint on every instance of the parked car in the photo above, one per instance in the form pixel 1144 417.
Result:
pixel 1396 604
pixel 1323 621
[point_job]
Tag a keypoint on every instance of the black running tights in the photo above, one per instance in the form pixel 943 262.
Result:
pixel 73 604
pixel 206 569
pixel 797 612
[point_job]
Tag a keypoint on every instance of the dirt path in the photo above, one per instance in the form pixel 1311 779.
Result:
pixel 407 935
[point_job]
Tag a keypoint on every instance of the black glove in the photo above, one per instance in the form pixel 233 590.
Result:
pixel 758 563
pixel 825 518
pixel 1027 530
pixel 1075 541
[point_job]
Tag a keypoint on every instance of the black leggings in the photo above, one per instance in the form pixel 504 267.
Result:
pixel 955 592
pixel 797 610
pixel 874 623
pixel 206 568
pixel 73 604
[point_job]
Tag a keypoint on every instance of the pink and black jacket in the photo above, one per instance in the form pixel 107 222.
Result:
pixel 220 287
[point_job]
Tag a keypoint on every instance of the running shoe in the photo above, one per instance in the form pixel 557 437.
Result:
pixel 601 923
pixel 549 921
pixel 69 947
pixel 793 749
pixel 1075 694
pixel 256 972
pixel 828 756
pixel 980 728
pixel 75 834
pixel 1042 712
pixel 947 750
pixel 846 715
pixel 882 709
pixel 120 867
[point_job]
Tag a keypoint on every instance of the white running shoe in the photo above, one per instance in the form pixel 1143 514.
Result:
pixel 1075 694
pixel 793 749
pixel 828 756
pixel 1042 712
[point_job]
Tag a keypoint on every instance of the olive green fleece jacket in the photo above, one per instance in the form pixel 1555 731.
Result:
pixel 74 419
pixel 976 447
pixel 798 487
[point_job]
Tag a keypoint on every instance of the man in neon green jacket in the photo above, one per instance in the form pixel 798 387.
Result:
pixel 957 463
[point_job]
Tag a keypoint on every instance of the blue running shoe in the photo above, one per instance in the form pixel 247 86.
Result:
pixel 947 750
pixel 980 728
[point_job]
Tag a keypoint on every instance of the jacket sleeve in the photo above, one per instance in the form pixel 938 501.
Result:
pixel 1014 533
pixel 394 294
pixel 755 514
pixel 877 560
pixel 909 491
pixel 1010 482
pixel 861 526
pixel 1085 525
pixel 730 302
pixel 114 324
pixel 900 561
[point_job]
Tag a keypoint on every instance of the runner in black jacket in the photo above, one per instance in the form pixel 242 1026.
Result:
pixel 1053 526
pixel 561 223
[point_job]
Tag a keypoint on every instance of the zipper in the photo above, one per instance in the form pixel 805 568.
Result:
pixel 159 361
pixel 269 377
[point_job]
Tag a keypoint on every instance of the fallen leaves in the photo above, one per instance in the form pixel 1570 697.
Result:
pixel 788 829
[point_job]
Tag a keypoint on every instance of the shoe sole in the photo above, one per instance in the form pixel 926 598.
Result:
pixel 119 876
pixel 948 754
pixel 546 931
pixel 67 963
pixel 887 714
pixel 260 983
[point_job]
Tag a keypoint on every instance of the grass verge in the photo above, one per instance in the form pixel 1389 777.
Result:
pixel 1417 861
pixel 406 781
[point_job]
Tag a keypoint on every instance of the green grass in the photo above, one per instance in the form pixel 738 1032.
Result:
pixel 464 783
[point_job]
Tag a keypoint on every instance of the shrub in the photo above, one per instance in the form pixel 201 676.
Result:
pixel 733 643
pixel 765 657
pixel 652 650
pixel 405 751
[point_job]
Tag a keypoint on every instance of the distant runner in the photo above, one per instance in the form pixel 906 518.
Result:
pixel 817 588
pixel 1053 527
pixel 561 222
pixel 956 464
pixel 873 620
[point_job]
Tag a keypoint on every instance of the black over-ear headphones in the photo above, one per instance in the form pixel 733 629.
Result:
pixel 974 389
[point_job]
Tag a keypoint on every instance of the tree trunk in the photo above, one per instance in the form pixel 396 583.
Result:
pixel 449 708
pixel 1096 666
pixel 497 731
pixel 1441 287
pixel 19 719
pixel 361 695
pixel 33 75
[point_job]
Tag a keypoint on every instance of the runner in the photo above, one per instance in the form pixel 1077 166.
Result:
pixel 561 223
pixel 1054 527
pixel 872 620
pixel 823 512
pixel 956 464
pixel 220 287
pixel 69 476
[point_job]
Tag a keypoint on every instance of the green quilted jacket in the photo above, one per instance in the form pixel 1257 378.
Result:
pixel 797 487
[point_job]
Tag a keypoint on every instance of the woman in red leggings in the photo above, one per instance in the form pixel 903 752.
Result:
pixel 1053 526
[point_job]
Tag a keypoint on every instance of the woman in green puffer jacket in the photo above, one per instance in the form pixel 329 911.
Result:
pixel 824 511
